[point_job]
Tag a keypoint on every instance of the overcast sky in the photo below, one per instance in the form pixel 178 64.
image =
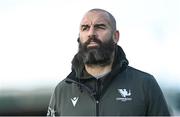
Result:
pixel 38 38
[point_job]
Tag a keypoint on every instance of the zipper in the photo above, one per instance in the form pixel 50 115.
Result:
pixel 97 96
pixel 97 107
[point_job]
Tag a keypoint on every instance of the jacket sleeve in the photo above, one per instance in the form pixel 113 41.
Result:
pixel 156 103
pixel 52 112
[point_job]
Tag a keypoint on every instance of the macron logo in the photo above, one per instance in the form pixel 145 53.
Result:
pixel 74 100
pixel 125 95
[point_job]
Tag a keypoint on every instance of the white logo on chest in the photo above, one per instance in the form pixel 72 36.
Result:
pixel 125 95
pixel 74 100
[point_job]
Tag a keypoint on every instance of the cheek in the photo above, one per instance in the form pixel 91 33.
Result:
pixel 105 36
pixel 82 38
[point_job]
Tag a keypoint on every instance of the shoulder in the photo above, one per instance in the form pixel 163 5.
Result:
pixel 66 83
pixel 144 79
pixel 138 72
pixel 60 85
pixel 133 72
pixel 140 76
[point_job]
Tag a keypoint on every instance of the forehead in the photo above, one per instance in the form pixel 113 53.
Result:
pixel 95 17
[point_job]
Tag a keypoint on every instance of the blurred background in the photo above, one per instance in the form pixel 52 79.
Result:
pixel 38 39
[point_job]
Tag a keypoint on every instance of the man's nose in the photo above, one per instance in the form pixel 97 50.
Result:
pixel 92 32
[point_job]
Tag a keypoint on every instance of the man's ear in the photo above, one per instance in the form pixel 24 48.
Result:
pixel 116 36
pixel 78 40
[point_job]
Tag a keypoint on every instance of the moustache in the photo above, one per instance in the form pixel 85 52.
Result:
pixel 91 39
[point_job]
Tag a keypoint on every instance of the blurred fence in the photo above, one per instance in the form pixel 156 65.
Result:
pixel 26 103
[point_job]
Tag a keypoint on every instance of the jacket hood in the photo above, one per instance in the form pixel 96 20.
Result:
pixel 120 62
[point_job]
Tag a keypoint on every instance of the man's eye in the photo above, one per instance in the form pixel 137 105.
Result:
pixel 101 27
pixel 84 28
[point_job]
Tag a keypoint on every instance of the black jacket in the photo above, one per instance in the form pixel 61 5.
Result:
pixel 124 91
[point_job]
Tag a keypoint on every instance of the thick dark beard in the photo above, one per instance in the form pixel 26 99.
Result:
pixel 101 55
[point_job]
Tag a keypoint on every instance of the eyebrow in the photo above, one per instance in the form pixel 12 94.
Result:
pixel 84 25
pixel 98 25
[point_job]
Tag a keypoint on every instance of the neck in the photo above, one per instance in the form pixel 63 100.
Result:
pixel 96 70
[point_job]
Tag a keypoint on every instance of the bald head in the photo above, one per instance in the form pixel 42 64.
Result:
pixel 108 15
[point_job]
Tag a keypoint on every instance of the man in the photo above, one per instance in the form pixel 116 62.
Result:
pixel 101 82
